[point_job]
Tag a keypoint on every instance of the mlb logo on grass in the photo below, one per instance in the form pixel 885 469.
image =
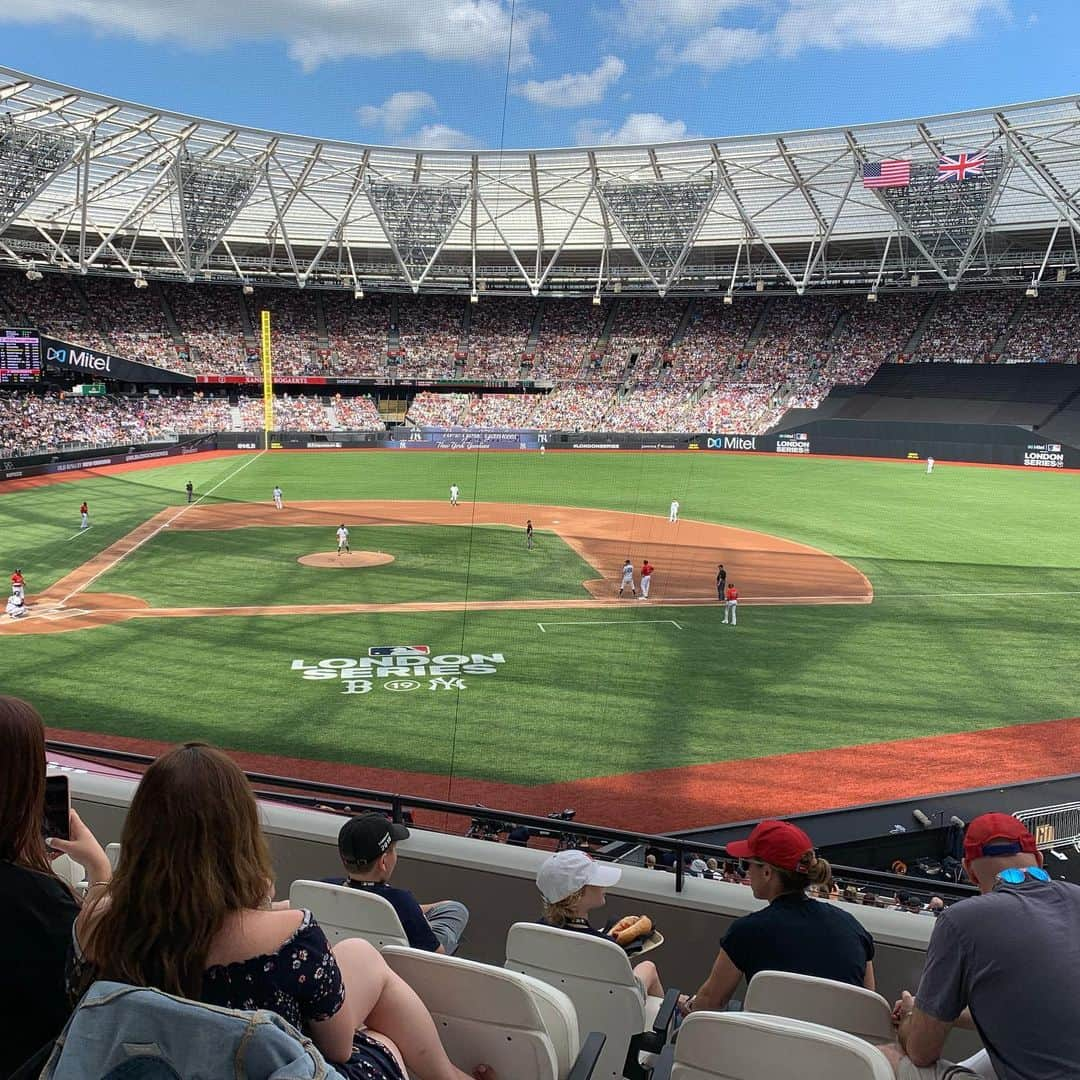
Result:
pixel 399 650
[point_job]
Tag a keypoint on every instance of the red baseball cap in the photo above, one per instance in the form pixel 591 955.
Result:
pixel 997 834
pixel 778 843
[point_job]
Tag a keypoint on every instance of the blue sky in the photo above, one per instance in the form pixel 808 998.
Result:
pixel 433 72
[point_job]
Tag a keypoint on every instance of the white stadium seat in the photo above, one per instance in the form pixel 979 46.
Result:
pixel 853 1009
pixel 348 913
pixel 597 977
pixel 523 1028
pixel 749 1046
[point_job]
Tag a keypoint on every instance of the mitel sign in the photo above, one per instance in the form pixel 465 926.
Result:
pixel 71 357
pixel 731 442
pixel 64 356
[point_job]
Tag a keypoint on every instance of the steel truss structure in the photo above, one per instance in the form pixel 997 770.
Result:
pixel 92 184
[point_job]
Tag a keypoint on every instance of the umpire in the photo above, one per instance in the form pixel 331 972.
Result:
pixel 721 581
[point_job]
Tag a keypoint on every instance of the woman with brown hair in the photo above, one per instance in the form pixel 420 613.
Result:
pixel 188 912
pixel 794 933
pixel 36 907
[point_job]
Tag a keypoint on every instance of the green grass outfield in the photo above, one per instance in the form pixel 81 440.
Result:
pixel 974 624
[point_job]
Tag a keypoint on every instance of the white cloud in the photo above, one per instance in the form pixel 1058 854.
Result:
pixel 398 111
pixel 315 31
pixel 651 18
pixel 723 46
pixel 572 91
pixel 636 128
pixel 440 137
pixel 889 24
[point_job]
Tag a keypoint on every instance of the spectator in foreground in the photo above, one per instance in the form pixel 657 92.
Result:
pixel 188 912
pixel 368 848
pixel 794 933
pixel 1007 962
pixel 572 884
pixel 37 909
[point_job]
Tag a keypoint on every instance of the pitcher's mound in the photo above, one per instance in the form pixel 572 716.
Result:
pixel 346 560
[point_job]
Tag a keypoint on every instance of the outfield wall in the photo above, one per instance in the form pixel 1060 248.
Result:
pixel 977 443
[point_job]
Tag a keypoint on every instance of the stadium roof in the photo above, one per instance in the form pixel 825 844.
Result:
pixel 93 184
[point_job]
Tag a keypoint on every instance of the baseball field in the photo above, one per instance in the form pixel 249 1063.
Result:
pixel 898 633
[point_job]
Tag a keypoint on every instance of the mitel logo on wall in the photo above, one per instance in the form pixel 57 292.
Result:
pixel 731 442
pixel 400 669
pixel 83 359
pixel 1044 455
pixel 793 444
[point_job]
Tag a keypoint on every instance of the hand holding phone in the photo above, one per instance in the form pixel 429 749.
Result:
pixel 57 807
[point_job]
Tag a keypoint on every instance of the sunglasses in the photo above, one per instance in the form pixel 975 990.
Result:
pixel 1014 875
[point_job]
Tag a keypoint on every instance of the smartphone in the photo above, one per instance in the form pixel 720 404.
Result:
pixel 57 807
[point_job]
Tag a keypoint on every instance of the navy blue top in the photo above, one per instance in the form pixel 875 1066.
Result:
pixel 803 936
pixel 417 928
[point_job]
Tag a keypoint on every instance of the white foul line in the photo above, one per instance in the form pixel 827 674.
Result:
pixel 164 525
pixel 607 622
pixel 78 534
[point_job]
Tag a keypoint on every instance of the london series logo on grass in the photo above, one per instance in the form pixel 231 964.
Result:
pixel 400 669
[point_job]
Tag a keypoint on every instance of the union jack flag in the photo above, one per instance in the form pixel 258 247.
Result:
pixel 960 167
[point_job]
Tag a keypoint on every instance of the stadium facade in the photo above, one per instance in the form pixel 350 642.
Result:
pixel 93 184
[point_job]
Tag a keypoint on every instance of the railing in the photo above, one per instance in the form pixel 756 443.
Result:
pixel 490 822
pixel 1052 826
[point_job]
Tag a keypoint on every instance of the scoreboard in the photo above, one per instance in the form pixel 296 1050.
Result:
pixel 20 356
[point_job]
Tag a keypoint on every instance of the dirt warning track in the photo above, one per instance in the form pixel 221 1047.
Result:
pixel 766 569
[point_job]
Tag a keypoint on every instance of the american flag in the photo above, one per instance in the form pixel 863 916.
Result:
pixel 959 167
pixel 882 174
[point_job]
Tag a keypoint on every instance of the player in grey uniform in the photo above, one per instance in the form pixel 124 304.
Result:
pixel 627 578
pixel 343 540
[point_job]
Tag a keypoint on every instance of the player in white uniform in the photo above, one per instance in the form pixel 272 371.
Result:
pixel 343 540
pixel 16 607
pixel 673 513
pixel 453 494
pixel 627 578
pixel 277 497
pixel 929 465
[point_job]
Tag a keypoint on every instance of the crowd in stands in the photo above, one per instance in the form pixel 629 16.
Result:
pixel 355 413
pixel 38 423
pixel 964 326
pixel 675 364
pixel 189 909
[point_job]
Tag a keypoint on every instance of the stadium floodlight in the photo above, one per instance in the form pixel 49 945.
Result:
pixel 728 298
pixel 760 285
pixel 872 297
pixel 1033 289
pixel 596 300
pixel 212 194
pixel 474 298
pixel 358 293
pixel 914 281
pixel 141 282
pixel 30 157
pixel 1062 273
pixel 248 289
pixel 34 275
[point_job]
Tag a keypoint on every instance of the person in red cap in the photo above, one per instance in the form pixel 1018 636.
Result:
pixel 1006 961
pixel 794 933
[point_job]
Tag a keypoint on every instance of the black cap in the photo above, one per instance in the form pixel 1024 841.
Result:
pixel 363 839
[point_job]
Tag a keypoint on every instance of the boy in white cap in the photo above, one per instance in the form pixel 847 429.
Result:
pixel 572 884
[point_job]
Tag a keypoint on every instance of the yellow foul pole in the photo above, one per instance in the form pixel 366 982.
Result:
pixel 267 379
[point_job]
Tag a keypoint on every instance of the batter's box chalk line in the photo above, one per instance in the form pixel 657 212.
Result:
pixel 609 622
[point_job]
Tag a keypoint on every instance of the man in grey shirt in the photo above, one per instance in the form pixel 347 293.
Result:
pixel 1006 962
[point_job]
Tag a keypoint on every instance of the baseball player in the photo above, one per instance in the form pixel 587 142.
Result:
pixel 721 581
pixel 343 539
pixel 646 578
pixel 16 607
pixel 18 583
pixel 277 497
pixel 529 534
pixel 453 494
pixel 190 491
pixel 731 605
pixel 84 516
pixel 673 512
pixel 627 578
pixel 929 465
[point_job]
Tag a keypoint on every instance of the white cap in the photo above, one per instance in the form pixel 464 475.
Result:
pixel 699 866
pixel 568 871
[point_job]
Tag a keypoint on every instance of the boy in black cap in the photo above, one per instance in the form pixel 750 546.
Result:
pixel 368 848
